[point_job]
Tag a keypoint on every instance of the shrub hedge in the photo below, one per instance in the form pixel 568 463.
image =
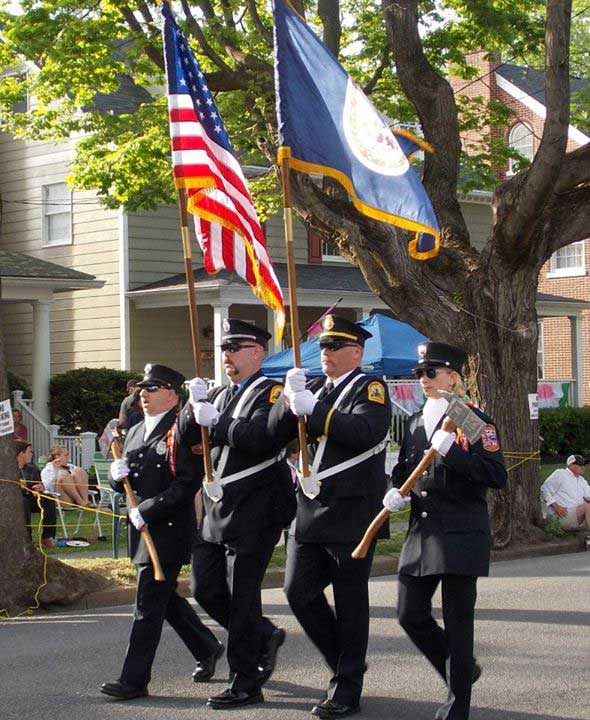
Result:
pixel 565 430
pixel 87 398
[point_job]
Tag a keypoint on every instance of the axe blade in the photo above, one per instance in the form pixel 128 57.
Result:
pixel 109 434
pixel 464 417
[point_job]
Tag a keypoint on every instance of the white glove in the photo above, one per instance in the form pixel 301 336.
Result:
pixel 119 469
pixel 206 414
pixel 197 390
pixel 302 403
pixel 136 519
pixel 442 441
pixel 394 500
pixel 295 381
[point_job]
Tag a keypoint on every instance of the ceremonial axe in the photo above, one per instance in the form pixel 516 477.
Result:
pixel 458 415
pixel 111 440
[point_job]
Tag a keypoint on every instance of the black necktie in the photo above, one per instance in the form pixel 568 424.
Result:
pixel 230 394
pixel 328 387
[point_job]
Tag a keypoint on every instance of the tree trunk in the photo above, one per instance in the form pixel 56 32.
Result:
pixel 25 576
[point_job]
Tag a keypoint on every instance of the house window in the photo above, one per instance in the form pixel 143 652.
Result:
pixel 57 214
pixel 568 261
pixel 540 345
pixel 330 251
pixel 520 139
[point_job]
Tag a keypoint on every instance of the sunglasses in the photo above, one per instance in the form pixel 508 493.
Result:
pixel 152 388
pixel 336 345
pixel 232 347
pixel 429 372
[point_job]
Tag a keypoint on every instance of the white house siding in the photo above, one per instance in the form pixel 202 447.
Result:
pixel 478 217
pixel 155 246
pixel 85 323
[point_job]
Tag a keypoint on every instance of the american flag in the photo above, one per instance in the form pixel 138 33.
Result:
pixel 204 163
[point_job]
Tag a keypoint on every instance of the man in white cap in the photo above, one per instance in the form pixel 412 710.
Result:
pixel 567 494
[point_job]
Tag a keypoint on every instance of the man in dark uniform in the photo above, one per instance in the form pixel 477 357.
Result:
pixel 448 540
pixel 164 471
pixel 348 419
pixel 246 507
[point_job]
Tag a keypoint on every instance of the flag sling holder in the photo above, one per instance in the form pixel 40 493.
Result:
pixel 293 310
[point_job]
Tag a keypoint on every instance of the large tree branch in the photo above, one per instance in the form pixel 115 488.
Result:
pixel 567 218
pixel 264 31
pixel 433 99
pixel 150 50
pixel 524 195
pixel 208 51
pixel 575 169
pixel 329 12
pixel 377 75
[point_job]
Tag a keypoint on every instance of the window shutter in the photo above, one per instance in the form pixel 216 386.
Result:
pixel 314 248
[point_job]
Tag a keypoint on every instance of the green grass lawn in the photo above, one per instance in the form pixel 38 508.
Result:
pixel 121 571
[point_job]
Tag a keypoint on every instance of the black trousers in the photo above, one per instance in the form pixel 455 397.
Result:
pixel 227 582
pixel 342 634
pixel 454 643
pixel 31 505
pixel 154 603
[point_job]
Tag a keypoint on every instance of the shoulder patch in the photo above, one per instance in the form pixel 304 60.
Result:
pixel 489 439
pixel 275 393
pixel 376 393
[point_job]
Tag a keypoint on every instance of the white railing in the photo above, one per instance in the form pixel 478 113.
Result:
pixel 80 448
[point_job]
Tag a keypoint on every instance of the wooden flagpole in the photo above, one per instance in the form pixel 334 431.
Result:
pixel 293 310
pixel 193 318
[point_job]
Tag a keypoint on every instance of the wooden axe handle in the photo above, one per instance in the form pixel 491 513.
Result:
pixel 362 548
pixel 147 538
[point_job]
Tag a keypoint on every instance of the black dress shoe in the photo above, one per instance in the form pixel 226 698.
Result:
pixel 333 709
pixel 206 668
pixel 268 659
pixel 121 691
pixel 235 698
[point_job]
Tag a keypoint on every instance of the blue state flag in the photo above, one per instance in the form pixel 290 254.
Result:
pixel 327 125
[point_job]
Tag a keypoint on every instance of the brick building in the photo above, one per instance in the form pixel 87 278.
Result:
pixel 567 274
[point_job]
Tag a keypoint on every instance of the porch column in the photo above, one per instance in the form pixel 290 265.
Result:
pixel 363 312
pixel 273 345
pixel 220 312
pixel 577 359
pixel 41 358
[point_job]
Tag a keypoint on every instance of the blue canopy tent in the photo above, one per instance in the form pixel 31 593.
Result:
pixel 391 351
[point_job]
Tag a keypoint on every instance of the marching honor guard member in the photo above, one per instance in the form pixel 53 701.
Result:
pixel 348 418
pixel 449 539
pixel 249 502
pixel 163 471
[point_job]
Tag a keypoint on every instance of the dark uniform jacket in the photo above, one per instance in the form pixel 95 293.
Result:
pixel 166 498
pixel 349 499
pixel 255 501
pixel 449 530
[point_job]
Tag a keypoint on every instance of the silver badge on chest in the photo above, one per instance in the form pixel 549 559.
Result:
pixel 161 448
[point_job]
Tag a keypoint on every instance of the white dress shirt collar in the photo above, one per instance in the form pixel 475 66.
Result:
pixel 150 423
pixel 432 413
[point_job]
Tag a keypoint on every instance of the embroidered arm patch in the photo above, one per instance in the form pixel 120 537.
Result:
pixel 376 393
pixel 489 439
pixel 275 392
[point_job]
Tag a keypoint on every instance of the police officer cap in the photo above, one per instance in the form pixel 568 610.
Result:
pixel 337 329
pixel 161 375
pixel 237 330
pixel 435 354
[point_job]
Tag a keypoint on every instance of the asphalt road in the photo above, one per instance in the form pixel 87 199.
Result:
pixel 532 638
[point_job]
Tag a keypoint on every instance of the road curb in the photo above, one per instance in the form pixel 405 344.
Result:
pixel 383 565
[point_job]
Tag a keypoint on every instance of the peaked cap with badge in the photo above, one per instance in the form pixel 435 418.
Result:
pixel 235 330
pixel 336 328
pixel 161 375
pixel 436 354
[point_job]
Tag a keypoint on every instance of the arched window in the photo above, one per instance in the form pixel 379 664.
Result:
pixel 521 139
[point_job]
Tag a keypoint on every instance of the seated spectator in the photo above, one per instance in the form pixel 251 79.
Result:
pixel 31 480
pixel 130 412
pixel 567 494
pixel 69 481
pixel 20 430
